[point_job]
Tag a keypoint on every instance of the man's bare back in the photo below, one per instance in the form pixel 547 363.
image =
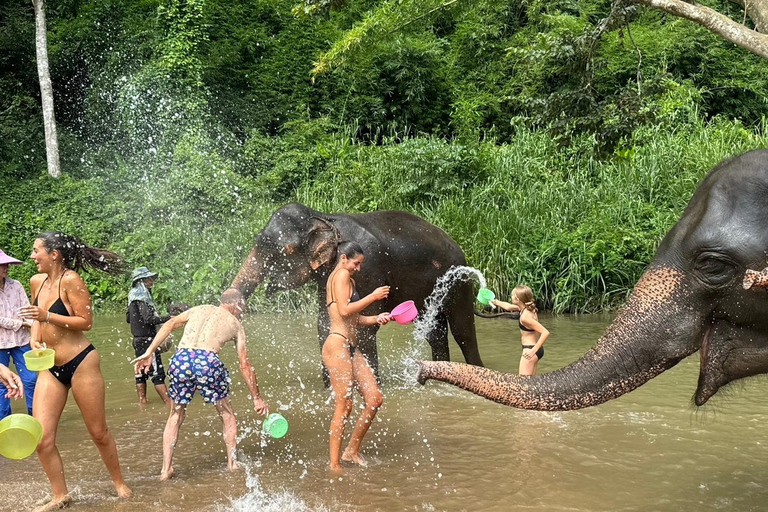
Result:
pixel 209 328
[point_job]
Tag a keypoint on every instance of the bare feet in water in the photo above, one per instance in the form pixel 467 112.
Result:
pixel 233 465
pixel 124 492
pixel 354 458
pixel 46 505
pixel 165 475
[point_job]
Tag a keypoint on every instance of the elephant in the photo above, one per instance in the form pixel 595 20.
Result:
pixel 402 250
pixel 698 293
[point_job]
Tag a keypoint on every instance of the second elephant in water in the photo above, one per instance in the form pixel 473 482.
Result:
pixel 698 294
pixel 298 245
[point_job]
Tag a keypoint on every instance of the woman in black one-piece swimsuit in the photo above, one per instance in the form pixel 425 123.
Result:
pixel 62 312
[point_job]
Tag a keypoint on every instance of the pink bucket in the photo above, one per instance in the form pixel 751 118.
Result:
pixel 404 313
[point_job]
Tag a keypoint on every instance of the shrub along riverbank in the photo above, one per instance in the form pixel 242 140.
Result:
pixel 578 230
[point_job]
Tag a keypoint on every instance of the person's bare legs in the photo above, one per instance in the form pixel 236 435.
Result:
pixel 528 366
pixel 170 436
pixel 141 392
pixel 339 365
pixel 369 388
pixel 162 390
pixel 48 403
pixel 88 391
pixel 230 430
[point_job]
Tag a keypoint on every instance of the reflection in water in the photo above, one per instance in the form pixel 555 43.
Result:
pixel 432 448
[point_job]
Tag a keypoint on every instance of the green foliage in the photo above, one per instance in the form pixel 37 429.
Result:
pixel 554 157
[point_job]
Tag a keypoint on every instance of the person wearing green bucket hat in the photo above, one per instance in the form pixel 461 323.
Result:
pixel 144 319
pixel 196 366
pixel 14 333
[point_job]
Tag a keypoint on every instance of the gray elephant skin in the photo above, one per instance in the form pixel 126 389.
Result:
pixel 403 251
pixel 699 293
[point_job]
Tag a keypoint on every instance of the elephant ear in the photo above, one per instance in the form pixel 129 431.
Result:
pixel 323 240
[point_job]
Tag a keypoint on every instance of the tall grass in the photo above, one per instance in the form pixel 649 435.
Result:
pixel 577 230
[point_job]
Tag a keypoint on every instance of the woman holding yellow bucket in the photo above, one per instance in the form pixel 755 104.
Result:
pixel 61 312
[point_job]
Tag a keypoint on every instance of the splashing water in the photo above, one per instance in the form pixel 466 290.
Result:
pixel 434 303
pixel 404 375
pixel 256 500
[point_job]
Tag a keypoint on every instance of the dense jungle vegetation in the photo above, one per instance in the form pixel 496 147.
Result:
pixel 554 157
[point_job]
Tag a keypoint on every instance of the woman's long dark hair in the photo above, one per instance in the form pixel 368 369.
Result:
pixel 79 256
pixel 348 249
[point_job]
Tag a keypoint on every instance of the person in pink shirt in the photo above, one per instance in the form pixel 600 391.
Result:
pixel 14 334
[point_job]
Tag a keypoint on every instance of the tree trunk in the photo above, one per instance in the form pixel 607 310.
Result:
pixel 46 90
pixel 722 25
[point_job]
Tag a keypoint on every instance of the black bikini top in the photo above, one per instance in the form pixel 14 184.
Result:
pixel 524 328
pixel 58 307
pixel 355 296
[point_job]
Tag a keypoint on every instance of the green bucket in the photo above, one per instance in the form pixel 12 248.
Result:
pixel 485 296
pixel 275 425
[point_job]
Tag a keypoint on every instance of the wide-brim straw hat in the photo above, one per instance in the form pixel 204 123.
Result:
pixel 7 260
pixel 142 273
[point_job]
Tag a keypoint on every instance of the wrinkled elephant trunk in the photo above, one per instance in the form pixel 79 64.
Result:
pixel 654 331
pixel 249 276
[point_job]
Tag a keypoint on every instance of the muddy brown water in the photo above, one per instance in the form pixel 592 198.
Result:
pixel 433 448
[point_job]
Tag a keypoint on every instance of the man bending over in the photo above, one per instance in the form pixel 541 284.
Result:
pixel 196 366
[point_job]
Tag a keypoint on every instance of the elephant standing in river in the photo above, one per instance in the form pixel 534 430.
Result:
pixel 695 295
pixel 402 251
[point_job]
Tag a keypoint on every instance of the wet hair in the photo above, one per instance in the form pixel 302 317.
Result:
pixel 525 295
pixel 349 249
pixel 231 296
pixel 77 256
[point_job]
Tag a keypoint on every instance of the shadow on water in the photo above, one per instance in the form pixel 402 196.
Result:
pixel 432 448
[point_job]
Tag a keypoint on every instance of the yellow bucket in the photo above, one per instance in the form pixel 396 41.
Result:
pixel 39 360
pixel 19 435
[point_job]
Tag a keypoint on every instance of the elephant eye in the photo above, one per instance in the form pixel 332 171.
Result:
pixel 715 269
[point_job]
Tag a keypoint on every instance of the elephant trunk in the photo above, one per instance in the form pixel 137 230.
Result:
pixel 654 331
pixel 249 276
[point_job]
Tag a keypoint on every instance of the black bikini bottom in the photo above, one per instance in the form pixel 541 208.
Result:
pixel 539 353
pixel 351 347
pixel 65 372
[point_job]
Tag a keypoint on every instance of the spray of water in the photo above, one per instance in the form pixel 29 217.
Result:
pixel 404 375
pixel 434 303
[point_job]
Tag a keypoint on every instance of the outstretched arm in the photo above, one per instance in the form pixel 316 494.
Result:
pixel 506 306
pixel 144 361
pixel 246 369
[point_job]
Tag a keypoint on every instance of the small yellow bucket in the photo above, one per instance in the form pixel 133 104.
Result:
pixel 39 360
pixel 19 435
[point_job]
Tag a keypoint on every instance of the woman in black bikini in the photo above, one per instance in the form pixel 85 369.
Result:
pixel 347 367
pixel 533 334
pixel 62 312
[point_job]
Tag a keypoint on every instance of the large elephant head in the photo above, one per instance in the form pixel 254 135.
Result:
pixel 693 296
pixel 295 242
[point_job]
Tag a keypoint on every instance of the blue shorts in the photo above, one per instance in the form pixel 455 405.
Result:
pixel 192 369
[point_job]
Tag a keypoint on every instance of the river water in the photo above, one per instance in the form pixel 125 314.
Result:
pixel 433 448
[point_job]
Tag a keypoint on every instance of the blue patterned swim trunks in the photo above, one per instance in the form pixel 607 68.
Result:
pixel 192 369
